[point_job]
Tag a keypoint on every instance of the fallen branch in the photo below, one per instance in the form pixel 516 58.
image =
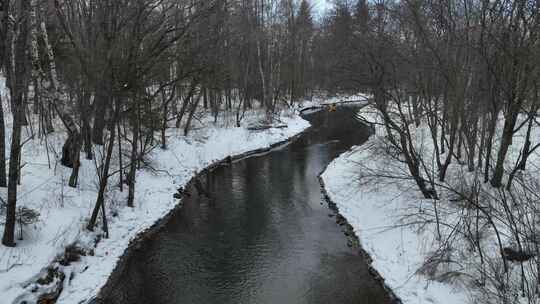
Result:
pixel 266 127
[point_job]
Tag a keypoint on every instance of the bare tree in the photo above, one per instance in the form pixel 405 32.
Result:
pixel 17 95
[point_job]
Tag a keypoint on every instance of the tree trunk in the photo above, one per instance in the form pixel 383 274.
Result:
pixel 191 113
pixel 72 147
pixel 17 96
pixel 448 160
pixel 164 122
pixel 100 105
pixel 4 41
pixel 489 145
pixel 482 143
pixel 3 177
pixel 133 164
pixel 261 73
pixel 104 177
pixel 525 152
pixel 86 129
pixel 120 158
pixel 185 103
pixel 506 141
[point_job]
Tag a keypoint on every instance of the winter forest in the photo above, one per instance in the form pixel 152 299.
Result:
pixel 126 124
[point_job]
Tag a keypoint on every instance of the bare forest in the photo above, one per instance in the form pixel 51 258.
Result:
pixel 453 92
pixel 455 95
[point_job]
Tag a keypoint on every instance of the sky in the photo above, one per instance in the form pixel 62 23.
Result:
pixel 321 5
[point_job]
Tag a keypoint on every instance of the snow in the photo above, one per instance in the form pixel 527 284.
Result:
pixel 383 212
pixel 375 208
pixel 322 100
pixel 182 160
pixel 374 212
pixel 64 210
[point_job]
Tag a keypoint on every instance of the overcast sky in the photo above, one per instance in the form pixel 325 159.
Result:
pixel 319 6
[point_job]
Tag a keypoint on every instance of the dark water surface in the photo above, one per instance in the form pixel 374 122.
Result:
pixel 258 231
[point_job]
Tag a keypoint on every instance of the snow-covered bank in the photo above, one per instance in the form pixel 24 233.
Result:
pixel 320 101
pixel 376 208
pixel 397 252
pixel 64 211
pixel 421 246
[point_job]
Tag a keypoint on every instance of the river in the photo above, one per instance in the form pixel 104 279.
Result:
pixel 257 231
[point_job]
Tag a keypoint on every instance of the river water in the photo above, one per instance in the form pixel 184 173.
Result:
pixel 257 231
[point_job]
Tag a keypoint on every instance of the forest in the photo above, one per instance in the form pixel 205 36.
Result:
pixel 96 87
pixel 132 69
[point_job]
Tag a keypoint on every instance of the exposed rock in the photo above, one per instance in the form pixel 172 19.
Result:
pixel 52 282
pixel 72 253
pixel 340 220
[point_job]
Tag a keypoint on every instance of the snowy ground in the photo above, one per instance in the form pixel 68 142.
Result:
pixel 323 100
pixel 374 212
pixel 383 212
pixel 64 210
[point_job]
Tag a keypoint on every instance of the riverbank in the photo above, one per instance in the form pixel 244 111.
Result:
pixel 421 246
pixel 375 208
pixel 261 220
pixel 396 252
pixel 354 242
pixel 42 255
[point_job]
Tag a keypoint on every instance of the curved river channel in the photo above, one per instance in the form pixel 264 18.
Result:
pixel 257 231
